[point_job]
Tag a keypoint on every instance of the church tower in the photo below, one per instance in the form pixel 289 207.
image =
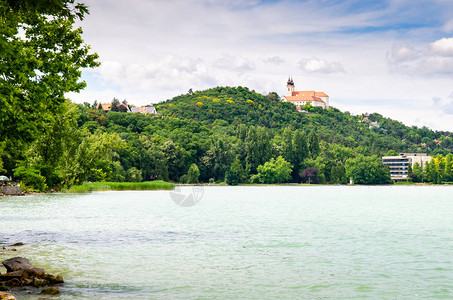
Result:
pixel 289 87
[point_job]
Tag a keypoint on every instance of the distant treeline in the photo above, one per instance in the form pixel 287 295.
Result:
pixel 223 134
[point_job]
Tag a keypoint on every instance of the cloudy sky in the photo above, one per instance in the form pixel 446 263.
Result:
pixel 394 57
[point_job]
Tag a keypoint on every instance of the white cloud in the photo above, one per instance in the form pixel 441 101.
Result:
pixel 448 27
pixel 316 65
pixel 434 59
pixel 273 60
pixel 402 53
pixel 443 47
pixel 170 73
pixel 448 108
pixel 235 63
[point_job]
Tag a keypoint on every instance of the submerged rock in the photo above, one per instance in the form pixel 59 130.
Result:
pixel 50 290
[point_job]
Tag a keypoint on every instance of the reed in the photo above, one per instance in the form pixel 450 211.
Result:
pixel 121 186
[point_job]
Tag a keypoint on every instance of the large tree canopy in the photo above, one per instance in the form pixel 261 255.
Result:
pixel 41 57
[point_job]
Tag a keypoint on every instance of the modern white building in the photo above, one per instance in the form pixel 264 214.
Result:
pixel 399 165
pixel 301 98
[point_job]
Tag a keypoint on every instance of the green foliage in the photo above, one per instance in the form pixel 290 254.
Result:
pixel 367 170
pixel 287 145
pixel 299 152
pixel 391 152
pixel 275 171
pixel 41 58
pixel 193 174
pixel 338 174
pixel 313 143
pixel 449 167
pixel 134 175
pixel 235 174
pixel 432 173
pixel 2 152
pixel 416 174
pixel 440 169
pixel 31 177
pixel 115 105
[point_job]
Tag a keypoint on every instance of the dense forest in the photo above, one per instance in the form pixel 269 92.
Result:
pixel 223 134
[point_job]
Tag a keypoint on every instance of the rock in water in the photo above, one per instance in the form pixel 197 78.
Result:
pixel 19 263
pixel 51 290
pixel 21 273
pixel 6 296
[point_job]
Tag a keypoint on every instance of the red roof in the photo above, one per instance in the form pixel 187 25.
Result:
pixel 309 93
pixel 303 98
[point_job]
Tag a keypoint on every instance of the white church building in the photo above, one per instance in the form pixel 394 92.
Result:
pixel 301 98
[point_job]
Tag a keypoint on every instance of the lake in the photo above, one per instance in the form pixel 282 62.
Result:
pixel 254 242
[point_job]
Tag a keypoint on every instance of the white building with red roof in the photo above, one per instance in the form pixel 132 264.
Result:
pixel 301 98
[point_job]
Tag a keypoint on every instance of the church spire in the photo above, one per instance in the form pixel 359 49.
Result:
pixel 289 87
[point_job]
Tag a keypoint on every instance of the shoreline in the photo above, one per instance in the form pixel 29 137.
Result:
pixel 172 185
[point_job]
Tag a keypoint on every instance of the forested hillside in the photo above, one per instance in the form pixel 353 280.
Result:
pixel 221 134
pixel 241 106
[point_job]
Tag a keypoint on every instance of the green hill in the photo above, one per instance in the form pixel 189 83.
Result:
pixel 221 134
pixel 241 106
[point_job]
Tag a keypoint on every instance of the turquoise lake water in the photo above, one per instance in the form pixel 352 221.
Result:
pixel 252 242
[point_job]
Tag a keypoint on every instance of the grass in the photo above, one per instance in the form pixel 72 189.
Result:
pixel 121 186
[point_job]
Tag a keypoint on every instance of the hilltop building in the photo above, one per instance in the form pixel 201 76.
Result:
pixel 301 98
pixel 144 110
pixel 371 124
pixel 399 165
pixel 108 107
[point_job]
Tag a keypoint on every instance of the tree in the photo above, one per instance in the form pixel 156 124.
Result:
pixel 252 149
pixel 310 175
pixel 449 167
pixel 273 96
pixel 93 154
pixel 432 174
pixel 46 155
pixel 41 56
pixel 287 144
pixel 367 170
pixel 338 174
pixel 417 173
pixel 275 171
pixel 115 105
pixel 300 151
pixel 409 172
pixel 31 178
pixel 134 175
pixel 1 154
pixel 235 174
pixel 174 159
pixel 313 144
pixel 193 174
pixel 217 159
pixel 391 152
pixel 264 144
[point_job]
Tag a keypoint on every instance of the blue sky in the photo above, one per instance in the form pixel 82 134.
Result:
pixel 393 57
